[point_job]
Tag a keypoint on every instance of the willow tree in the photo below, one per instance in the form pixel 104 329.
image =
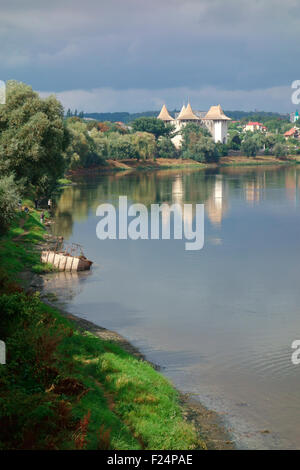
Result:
pixel 145 145
pixel 32 137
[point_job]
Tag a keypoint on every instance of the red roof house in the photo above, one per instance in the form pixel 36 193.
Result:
pixel 294 132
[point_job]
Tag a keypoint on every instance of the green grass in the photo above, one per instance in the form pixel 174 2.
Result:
pixel 17 246
pixel 184 165
pixel 64 181
pixel 253 162
pixel 145 405
pixel 57 377
pixel 62 388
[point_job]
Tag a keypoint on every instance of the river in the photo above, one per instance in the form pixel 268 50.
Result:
pixel 219 321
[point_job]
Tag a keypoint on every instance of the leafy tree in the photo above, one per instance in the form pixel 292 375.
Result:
pixel 108 126
pixel 82 150
pixel 202 149
pixel 100 142
pixel 197 144
pixel 90 125
pixel 122 148
pixel 280 150
pixel 269 140
pixel 166 148
pixel 193 129
pixel 235 127
pixel 145 145
pixel 222 149
pixel 250 146
pixel 277 125
pixel 234 141
pixel 32 137
pixel 153 126
pixel 103 126
pixel 9 196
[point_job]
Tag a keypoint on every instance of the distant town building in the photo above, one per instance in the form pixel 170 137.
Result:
pixel 294 116
pixel 215 120
pixel 294 132
pixel 255 126
pixel 122 125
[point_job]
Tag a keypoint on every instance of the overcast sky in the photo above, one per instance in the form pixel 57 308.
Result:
pixel 134 55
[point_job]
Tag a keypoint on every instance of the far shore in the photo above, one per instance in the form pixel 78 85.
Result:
pixel 168 163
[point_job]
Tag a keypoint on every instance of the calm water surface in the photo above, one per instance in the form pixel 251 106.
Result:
pixel 220 321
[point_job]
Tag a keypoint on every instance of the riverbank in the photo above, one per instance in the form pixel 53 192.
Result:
pixel 168 163
pixel 208 424
pixel 71 384
pixel 129 165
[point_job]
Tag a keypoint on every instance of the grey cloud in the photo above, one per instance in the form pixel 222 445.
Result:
pixel 138 99
pixel 150 45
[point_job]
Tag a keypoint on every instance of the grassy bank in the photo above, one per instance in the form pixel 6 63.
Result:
pixel 19 246
pixel 125 165
pixel 168 163
pixel 253 161
pixel 63 388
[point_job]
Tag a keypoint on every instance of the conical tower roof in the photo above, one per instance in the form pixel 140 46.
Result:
pixel 188 114
pixel 164 114
pixel 181 112
pixel 216 113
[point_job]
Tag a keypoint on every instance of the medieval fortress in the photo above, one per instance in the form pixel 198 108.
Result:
pixel 215 120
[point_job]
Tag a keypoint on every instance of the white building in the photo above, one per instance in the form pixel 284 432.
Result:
pixel 215 120
pixel 255 126
pixel 217 123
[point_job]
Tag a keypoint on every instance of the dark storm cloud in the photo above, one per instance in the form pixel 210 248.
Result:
pixel 232 45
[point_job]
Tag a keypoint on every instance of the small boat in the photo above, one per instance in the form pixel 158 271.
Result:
pixel 68 259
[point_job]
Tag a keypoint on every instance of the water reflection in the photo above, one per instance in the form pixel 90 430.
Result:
pixel 215 190
pixel 66 284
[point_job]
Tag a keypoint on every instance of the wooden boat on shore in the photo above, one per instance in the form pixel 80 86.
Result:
pixel 67 260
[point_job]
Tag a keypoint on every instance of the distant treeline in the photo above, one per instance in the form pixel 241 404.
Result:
pixel 119 116
pixel 255 115
pixel 128 117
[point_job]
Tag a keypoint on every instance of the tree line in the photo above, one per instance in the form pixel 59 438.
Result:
pixel 38 143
